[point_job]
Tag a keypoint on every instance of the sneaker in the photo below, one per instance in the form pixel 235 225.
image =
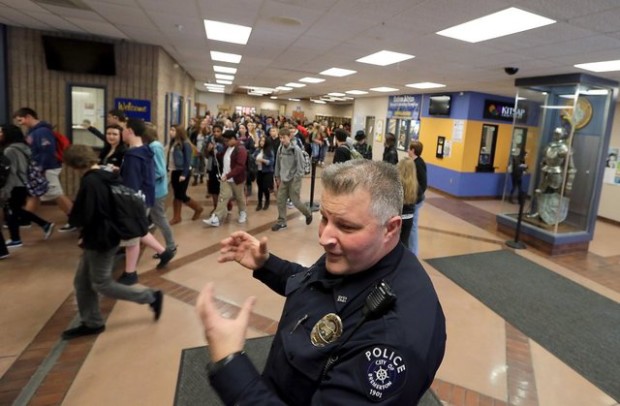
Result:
pixel 290 204
pixel 81 330
pixel 173 249
pixel 5 256
pixel 13 244
pixel 212 221
pixel 128 278
pixel 243 217
pixel 48 230
pixel 308 220
pixel 157 304
pixel 278 226
pixel 165 257
pixel 67 228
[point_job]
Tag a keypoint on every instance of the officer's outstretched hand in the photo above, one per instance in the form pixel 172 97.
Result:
pixel 224 336
pixel 244 249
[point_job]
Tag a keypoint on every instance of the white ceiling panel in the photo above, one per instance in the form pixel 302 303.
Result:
pixel 296 38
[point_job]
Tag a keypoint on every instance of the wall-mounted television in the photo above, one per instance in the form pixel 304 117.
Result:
pixel 79 56
pixel 439 105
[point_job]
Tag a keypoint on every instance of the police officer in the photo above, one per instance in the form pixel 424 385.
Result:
pixel 363 325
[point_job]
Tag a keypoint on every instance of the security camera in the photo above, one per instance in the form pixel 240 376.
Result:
pixel 511 70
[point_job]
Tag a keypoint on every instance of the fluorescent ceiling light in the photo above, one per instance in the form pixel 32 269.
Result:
pixel 258 89
pixel 213 85
pixel 337 72
pixel 225 77
pixel 336 94
pixel 604 66
pixel 384 58
pixel 284 88
pixel 273 97
pixel 356 92
pixel 425 85
pixel 502 23
pixel 294 99
pixel 225 57
pixel 215 90
pixel 293 84
pixel 311 80
pixel 219 31
pixel 319 101
pixel 383 89
pixel 224 82
pixel 224 69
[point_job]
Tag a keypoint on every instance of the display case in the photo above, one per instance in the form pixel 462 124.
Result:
pixel 566 160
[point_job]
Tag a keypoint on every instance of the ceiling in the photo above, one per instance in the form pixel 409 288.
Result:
pixel 292 39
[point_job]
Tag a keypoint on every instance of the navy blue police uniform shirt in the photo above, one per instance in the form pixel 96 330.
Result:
pixel 390 360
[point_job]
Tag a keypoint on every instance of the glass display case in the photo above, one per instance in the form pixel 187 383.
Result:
pixel 565 159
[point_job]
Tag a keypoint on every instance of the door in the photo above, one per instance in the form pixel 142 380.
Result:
pixel 86 115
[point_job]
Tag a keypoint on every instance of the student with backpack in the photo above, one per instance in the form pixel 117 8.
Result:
pixel 94 213
pixel 14 190
pixel 288 174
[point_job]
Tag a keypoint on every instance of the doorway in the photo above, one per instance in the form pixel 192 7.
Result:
pixel 86 115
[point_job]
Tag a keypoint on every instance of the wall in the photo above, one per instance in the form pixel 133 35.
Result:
pixel 610 194
pixel 138 68
pixel 376 107
pixel 171 78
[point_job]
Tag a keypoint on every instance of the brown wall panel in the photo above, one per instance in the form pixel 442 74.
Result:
pixel 137 77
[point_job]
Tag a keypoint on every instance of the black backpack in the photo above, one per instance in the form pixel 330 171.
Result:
pixel 5 169
pixel 129 212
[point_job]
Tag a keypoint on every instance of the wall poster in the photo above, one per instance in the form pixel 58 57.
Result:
pixel 612 167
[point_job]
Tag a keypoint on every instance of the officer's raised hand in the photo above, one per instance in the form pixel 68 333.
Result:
pixel 224 336
pixel 245 249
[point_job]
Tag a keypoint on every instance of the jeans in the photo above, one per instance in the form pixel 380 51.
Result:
pixel 94 276
pixel 158 216
pixel 413 236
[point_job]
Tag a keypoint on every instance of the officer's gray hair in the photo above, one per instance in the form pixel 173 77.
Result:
pixel 380 179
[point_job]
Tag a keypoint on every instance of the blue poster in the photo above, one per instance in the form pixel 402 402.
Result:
pixel 134 108
pixel 404 106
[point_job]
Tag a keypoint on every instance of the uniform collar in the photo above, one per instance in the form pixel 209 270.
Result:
pixel 346 288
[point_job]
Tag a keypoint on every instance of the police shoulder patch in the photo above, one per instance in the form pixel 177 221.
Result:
pixel 383 372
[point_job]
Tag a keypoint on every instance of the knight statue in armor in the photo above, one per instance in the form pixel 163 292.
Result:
pixel 551 204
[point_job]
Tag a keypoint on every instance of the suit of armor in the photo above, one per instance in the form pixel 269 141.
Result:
pixel 557 155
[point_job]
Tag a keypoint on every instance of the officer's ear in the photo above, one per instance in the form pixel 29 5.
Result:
pixel 392 227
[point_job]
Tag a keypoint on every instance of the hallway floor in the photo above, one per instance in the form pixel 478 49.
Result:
pixel 136 361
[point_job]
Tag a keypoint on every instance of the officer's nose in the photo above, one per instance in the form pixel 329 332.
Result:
pixel 327 235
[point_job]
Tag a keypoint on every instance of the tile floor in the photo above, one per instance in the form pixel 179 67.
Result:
pixel 136 361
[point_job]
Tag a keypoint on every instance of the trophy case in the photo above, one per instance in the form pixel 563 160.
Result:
pixel 565 160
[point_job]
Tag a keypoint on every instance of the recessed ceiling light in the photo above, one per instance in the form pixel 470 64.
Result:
pixel 233 33
pixel 225 77
pixel 294 99
pixel 384 58
pixel 604 66
pixel 224 82
pixel 311 80
pixel 502 23
pixel 338 72
pixel 225 57
pixel 336 94
pixel 356 92
pixel 425 85
pixel 294 84
pixel 383 89
pixel 284 88
pixel 224 69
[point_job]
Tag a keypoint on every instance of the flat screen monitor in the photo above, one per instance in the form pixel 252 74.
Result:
pixel 79 56
pixel 439 105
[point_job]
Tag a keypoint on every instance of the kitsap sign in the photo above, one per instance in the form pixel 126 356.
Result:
pixel 134 108
pixel 404 106
pixel 497 110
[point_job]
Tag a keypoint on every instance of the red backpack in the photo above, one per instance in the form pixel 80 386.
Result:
pixel 62 143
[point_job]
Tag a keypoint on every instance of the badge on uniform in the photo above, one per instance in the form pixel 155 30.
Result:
pixel 327 330
pixel 385 372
